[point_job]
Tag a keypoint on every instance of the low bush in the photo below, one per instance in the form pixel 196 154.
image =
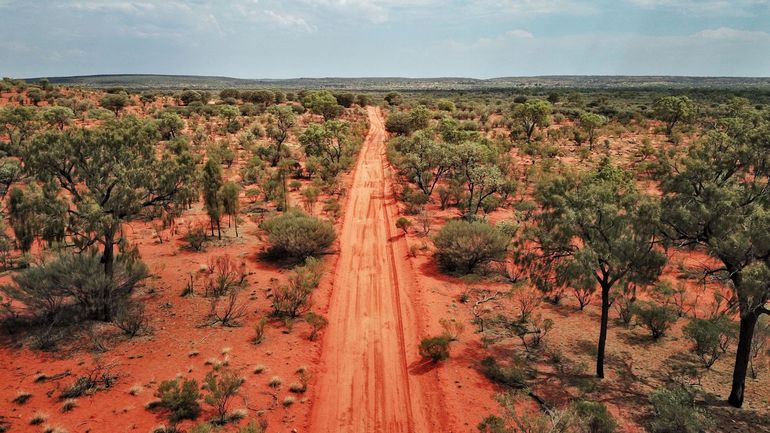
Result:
pixel 594 417
pixel 180 397
pixel 403 224
pixel 513 376
pixel 131 319
pixel 296 235
pixel 675 411
pixel 259 330
pixel 435 348
pixel 294 299
pixel 711 338
pixel 76 283
pixel 317 322
pixel 463 246
pixel 221 387
pixel 196 238
pixel 99 377
pixel 656 318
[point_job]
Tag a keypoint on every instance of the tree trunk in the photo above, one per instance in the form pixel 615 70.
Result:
pixel 104 309
pixel 108 255
pixel 742 357
pixel 603 332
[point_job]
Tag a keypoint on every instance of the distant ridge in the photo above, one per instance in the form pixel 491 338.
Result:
pixel 175 82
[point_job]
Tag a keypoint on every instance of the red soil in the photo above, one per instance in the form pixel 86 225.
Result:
pixel 370 378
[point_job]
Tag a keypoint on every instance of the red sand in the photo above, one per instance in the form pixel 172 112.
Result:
pixel 365 383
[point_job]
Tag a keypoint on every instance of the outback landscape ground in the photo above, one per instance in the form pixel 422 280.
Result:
pixel 309 260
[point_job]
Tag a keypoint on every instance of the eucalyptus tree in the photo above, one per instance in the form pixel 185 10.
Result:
pixel 110 174
pixel 211 183
pixel 58 116
pixel 282 120
pixel 716 195
pixel 19 124
pixel 598 230
pixel 531 114
pixel 673 110
pixel 424 160
pixel 590 123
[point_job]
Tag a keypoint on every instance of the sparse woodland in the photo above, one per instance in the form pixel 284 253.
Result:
pixel 586 261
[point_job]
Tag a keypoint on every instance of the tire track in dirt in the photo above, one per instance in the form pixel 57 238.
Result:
pixel 364 384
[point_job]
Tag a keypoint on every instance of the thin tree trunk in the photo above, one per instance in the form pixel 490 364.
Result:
pixel 603 332
pixel 742 357
pixel 108 260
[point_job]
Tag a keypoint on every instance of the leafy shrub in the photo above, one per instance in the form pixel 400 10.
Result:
pixel 196 238
pixel 656 318
pixel 403 224
pixel 675 411
pixel 290 301
pixel 594 417
pixel 711 338
pixel 221 387
pixel 296 235
pixel 513 376
pixel 464 246
pixel 79 282
pixel 435 348
pixel 180 397
pixel 316 322
pixel 293 299
pixel 399 124
pixel 254 427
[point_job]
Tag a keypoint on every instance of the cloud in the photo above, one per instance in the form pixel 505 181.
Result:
pixel 730 34
pixel 289 21
pixel 376 11
pixel 518 33
pixel 526 8
pixel 730 7
pixel 720 51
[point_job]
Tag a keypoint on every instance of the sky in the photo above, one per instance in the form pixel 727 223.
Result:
pixel 385 38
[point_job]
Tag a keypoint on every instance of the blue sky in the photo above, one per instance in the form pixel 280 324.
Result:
pixel 412 38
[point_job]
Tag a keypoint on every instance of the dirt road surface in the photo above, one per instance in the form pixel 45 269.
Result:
pixel 365 384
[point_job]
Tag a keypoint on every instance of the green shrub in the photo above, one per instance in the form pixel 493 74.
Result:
pixel 77 281
pixel 399 124
pixel 254 427
pixel 180 397
pixel 403 224
pixel 675 412
pixel 594 417
pixel 464 246
pixel 656 318
pixel 293 299
pixel 221 387
pixel 711 338
pixel 296 235
pixel 435 348
pixel 316 322
pixel 513 376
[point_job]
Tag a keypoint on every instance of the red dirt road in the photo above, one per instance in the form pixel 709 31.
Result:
pixel 365 384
